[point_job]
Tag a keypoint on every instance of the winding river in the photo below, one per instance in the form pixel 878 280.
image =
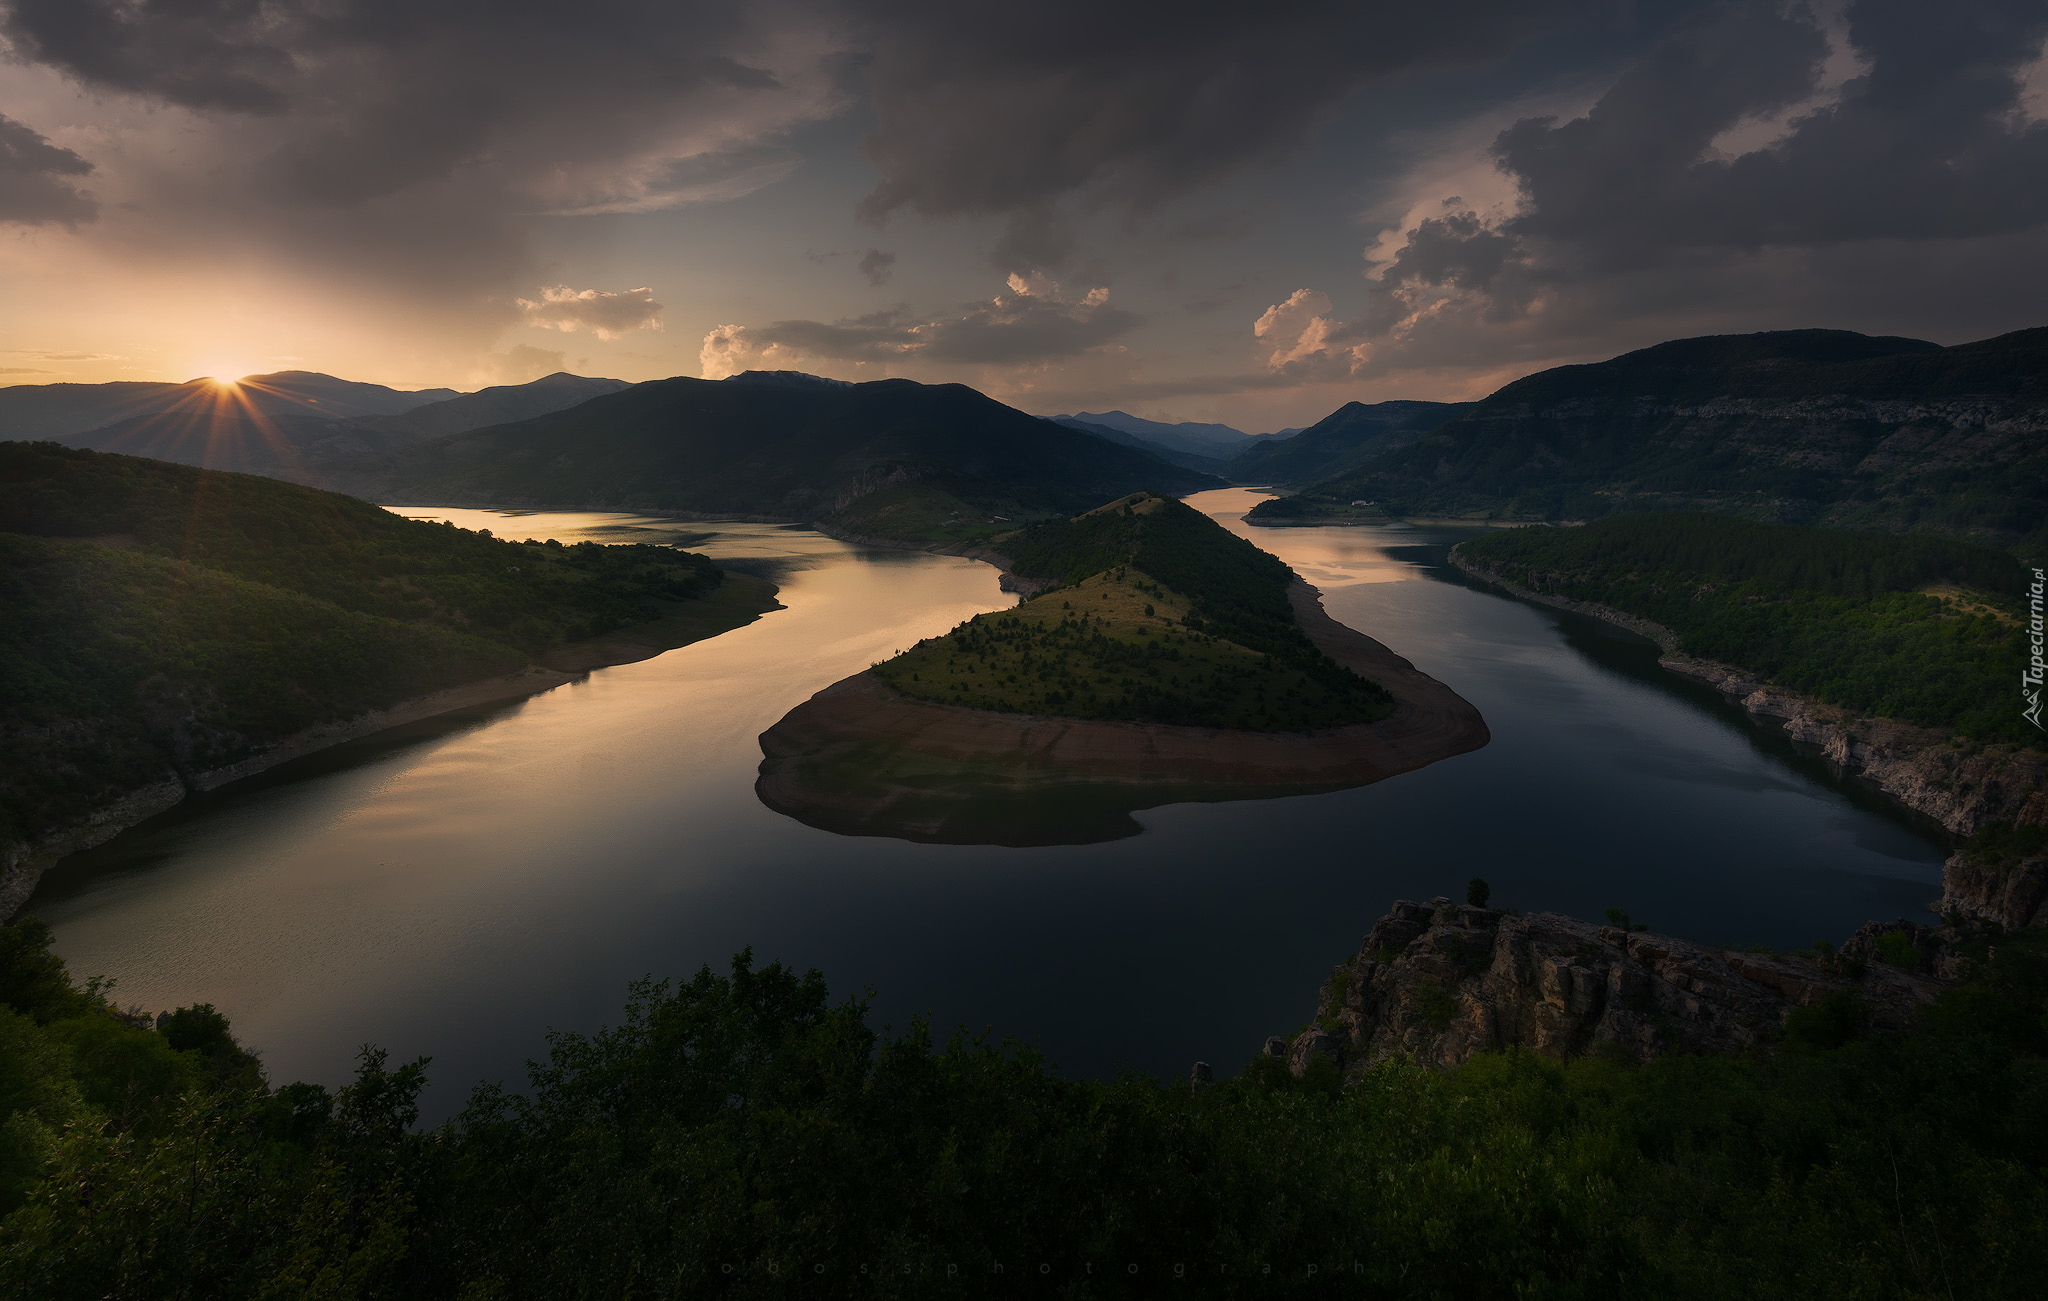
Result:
pixel 455 888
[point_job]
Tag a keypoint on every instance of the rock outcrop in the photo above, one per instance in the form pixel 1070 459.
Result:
pixel 1438 982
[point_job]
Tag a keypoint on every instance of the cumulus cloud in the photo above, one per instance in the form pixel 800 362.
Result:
pixel 1033 321
pixel 607 315
pixel 34 190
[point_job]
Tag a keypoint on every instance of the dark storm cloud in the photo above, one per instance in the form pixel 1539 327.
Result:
pixel 1633 212
pixel 34 190
pixel 1929 143
pixel 1001 108
pixel 401 140
pixel 201 54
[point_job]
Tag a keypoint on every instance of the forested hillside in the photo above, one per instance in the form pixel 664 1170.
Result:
pixel 164 620
pixel 1158 614
pixel 892 458
pixel 1920 629
pixel 1802 426
pixel 743 1135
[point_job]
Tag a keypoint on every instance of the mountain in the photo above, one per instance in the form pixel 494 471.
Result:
pixel 1352 434
pixel 1182 436
pixel 495 406
pixel 61 411
pixel 889 458
pixel 1805 426
pixel 1188 460
pixel 277 424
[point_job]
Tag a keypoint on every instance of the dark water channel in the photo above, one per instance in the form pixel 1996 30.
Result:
pixel 457 888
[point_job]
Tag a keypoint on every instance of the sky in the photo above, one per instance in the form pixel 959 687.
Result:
pixel 1249 213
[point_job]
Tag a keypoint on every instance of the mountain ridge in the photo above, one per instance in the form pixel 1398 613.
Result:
pixel 1805 426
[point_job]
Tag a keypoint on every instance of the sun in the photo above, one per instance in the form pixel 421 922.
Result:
pixel 226 374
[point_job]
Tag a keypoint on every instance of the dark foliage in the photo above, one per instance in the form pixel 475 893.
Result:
pixel 1920 629
pixel 743 1135
pixel 164 620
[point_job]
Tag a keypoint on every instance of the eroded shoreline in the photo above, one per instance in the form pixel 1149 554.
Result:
pixel 859 758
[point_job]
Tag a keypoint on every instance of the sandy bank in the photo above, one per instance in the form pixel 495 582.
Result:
pixel 859 758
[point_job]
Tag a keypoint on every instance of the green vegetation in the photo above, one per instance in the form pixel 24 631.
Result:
pixel 1801 426
pixel 742 1135
pixel 1160 615
pixel 164 620
pixel 1920 629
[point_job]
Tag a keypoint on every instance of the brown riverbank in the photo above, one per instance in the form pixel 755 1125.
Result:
pixel 737 601
pixel 859 758
pixel 1930 771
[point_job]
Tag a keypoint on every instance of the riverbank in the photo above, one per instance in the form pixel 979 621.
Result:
pixel 737 601
pixel 1960 784
pixel 860 758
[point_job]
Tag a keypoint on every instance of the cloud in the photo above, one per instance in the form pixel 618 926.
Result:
pixel 32 189
pixel 24 370
pixel 1035 321
pixel 1932 141
pixel 607 315
pixel 397 149
pixel 1008 109
pixel 877 266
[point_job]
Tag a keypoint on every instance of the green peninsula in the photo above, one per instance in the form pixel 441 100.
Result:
pixel 1153 614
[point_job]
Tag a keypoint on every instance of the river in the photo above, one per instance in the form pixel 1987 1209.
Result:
pixel 456 888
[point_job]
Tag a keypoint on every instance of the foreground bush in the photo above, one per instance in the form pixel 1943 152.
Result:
pixel 742 1135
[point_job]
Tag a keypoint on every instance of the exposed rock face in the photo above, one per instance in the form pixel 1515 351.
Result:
pixel 1438 982
pixel 1962 785
pixel 2012 895
pixel 1930 770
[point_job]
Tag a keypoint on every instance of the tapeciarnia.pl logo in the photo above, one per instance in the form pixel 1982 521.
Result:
pixel 2030 680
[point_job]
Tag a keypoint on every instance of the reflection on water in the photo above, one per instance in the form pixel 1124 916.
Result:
pixel 458 889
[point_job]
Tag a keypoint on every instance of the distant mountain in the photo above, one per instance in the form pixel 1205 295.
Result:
pixel 60 411
pixel 496 406
pixel 1812 426
pixel 277 424
pixel 1188 460
pixel 787 379
pixel 1347 437
pixel 1183 436
pixel 890 458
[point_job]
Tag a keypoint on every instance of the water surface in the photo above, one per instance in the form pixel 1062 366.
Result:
pixel 455 889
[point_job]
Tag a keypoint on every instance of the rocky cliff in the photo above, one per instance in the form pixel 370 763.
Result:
pixel 1438 982
pixel 1951 779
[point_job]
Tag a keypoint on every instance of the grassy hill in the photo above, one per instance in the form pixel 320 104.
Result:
pixel 1158 615
pixel 164 620
pixel 1803 426
pixel 1921 629
pixel 891 458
